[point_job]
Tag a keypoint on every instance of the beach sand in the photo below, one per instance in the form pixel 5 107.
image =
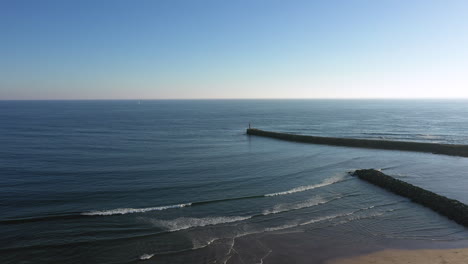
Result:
pixel 429 256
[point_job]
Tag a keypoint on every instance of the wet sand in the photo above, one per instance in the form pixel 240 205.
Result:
pixel 428 256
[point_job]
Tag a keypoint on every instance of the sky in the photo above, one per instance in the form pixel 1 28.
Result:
pixel 208 49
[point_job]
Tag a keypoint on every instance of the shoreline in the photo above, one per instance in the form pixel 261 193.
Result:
pixel 327 246
pixel 418 256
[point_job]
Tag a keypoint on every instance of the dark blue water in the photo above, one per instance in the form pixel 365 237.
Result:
pixel 180 182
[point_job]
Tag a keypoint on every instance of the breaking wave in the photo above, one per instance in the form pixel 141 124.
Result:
pixel 122 211
pixel 146 256
pixel 323 218
pixel 326 182
pixel 296 206
pixel 191 222
pixel 186 223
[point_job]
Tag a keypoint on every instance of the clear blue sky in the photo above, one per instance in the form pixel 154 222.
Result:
pixel 158 49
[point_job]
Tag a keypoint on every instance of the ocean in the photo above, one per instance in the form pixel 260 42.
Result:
pixel 179 181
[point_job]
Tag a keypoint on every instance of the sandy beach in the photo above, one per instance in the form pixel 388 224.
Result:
pixel 430 256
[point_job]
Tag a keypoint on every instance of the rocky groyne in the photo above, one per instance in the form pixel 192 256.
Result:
pixel 445 149
pixel 450 208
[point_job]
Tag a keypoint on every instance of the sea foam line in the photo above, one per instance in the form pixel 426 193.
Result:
pixel 286 207
pixel 122 211
pixel 146 256
pixel 317 220
pixel 191 222
pixel 186 223
pixel 326 182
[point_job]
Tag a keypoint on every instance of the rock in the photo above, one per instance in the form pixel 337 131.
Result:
pixel 450 208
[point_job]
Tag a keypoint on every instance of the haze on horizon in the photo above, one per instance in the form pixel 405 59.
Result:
pixel 175 49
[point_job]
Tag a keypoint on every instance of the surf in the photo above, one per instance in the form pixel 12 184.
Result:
pixel 326 182
pixel 129 210
pixel 123 211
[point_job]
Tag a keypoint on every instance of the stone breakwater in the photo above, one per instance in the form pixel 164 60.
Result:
pixel 445 149
pixel 450 208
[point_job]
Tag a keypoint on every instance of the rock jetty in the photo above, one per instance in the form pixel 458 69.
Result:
pixel 445 149
pixel 450 208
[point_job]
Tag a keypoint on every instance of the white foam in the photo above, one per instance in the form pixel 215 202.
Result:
pixel 146 256
pixel 296 224
pixel 428 136
pixel 122 211
pixel 199 245
pixel 190 222
pixel 319 219
pixel 282 227
pixel 295 206
pixel 325 218
pixel 361 217
pixel 326 182
pixel 264 257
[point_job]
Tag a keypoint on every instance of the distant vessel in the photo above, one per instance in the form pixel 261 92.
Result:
pixel 139 102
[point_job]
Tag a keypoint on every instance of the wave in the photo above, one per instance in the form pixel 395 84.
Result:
pixel 204 245
pixel 146 256
pixel 429 136
pixel 326 182
pixel 41 218
pixel 325 218
pixel 319 219
pixel 185 223
pixel 122 211
pixel 191 222
pixel 387 134
pixel 315 220
pixel 296 206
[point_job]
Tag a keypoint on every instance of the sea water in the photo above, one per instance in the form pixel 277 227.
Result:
pixel 179 181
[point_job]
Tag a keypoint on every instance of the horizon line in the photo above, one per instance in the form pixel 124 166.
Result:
pixel 219 99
